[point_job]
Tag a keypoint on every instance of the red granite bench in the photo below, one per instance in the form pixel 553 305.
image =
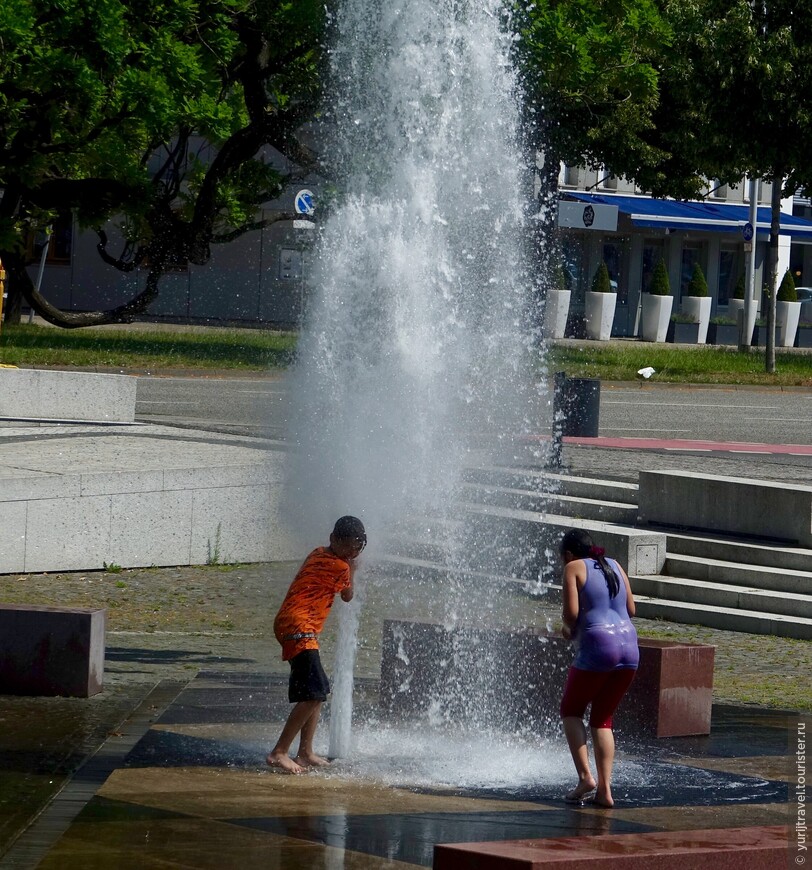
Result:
pixel 51 650
pixel 525 673
pixel 758 848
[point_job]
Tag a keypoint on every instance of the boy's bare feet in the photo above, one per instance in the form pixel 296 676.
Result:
pixel 584 788
pixel 283 762
pixel 311 760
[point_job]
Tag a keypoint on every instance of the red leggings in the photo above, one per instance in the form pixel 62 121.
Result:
pixel 603 689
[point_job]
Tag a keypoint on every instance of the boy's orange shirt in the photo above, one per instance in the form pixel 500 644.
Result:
pixel 306 606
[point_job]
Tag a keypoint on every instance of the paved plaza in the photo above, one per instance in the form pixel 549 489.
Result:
pixel 165 767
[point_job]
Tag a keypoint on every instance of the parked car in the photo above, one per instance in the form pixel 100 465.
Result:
pixel 805 297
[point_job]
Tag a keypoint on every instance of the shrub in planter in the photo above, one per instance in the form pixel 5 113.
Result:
pixel 698 286
pixel 660 285
pixel 697 303
pixel 788 310
pixel 786 290
pixel 739 289
pixel 657 305
pixel 557 306
pixel 599 309
pixel 600 281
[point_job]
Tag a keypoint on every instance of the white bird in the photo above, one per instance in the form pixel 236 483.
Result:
pixel 647 372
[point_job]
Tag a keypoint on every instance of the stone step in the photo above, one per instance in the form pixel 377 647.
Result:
pixel 699 592
pixel 426 569
pixel 563 505
pixel 537 480
pixel 717 571
pixel 740 550
pixel 726 618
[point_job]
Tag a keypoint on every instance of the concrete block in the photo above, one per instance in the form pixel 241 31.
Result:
pixel 515 542
pixel 151 528
pixel 37 485
pixel 518 677
pixel 51 650
pixel 55 395
pixel 234 521
pixel 757 848
pixel 68 534
pixel 732 505
pixel 12 536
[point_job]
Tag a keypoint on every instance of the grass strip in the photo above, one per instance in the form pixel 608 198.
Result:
pixel 699 364
pixel 261 350
pixel 148 349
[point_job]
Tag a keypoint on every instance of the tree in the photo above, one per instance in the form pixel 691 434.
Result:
pixel 100 104
pixel 737 100
pixel 590 74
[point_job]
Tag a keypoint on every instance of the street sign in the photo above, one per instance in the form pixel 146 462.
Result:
pixel 747 232
pixel 304 203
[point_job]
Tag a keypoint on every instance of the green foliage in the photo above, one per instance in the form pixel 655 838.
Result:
pixel 600 280
pixel 590 74
pixel 786 291
pixel 697 286
pixel 119 107
pixel 660 285
pixel 739 290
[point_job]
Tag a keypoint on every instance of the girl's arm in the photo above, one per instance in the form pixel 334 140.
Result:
pixel 569 614
pixel 629 597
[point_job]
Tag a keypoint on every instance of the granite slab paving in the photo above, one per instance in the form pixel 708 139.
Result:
pixel 194 792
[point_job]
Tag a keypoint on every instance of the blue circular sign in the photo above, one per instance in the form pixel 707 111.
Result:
pixel 747 232
pixel 304 202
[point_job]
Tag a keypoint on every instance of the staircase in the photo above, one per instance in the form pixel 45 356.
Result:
pixel 730 583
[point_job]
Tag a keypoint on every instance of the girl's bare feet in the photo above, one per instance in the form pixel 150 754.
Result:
pixel 282 762
pixel 585 787
pixel 604 801
pixel 310 759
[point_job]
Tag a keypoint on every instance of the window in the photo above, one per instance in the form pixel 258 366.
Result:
pixel 729 271
pixel 59 242
pixel 613 257
pixel 691 254
pixel 652 254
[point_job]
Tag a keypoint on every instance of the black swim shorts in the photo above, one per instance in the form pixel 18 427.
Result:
pixel 308 682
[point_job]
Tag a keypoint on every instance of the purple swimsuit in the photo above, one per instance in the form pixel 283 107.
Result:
pixel 605 638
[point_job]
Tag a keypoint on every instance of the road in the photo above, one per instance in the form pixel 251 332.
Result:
pixel 259 407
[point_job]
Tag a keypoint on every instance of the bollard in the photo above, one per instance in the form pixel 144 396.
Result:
pixel 576 406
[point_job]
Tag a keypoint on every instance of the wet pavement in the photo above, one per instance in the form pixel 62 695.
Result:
pixel 165 767
pixel 194 791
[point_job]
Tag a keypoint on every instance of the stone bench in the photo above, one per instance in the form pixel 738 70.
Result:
pixel 51 650
pixel 32 394
pixel 427 667
pixel 757 848
pixel 732 505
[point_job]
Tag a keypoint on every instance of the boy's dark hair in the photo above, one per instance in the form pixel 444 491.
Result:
pixel 579 543
pixel 348 527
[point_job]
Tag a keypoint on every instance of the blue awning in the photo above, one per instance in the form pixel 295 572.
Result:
pixel 674 215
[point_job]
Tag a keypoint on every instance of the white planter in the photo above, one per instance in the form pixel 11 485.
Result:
pixel 656 315
pixel 599 314
pixel 556 309
pixel 698 308
pixel 787 315
pixel 734 306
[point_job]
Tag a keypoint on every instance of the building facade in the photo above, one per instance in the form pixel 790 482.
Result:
pixel 630 232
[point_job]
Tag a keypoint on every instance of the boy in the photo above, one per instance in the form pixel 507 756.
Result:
pixel 327 571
